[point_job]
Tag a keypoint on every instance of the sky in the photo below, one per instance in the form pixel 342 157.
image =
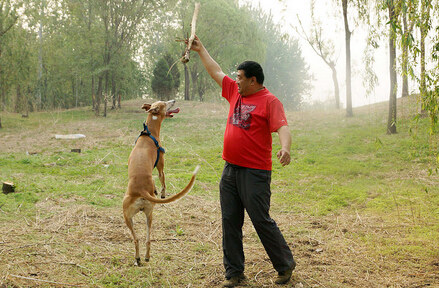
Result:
pixel 285 13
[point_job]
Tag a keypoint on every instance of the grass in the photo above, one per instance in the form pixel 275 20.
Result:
pixel 359 208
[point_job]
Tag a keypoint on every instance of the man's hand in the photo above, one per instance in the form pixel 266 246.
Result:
pixel 285 142
pixel 211 66
pixel 197 46
pixel 284 157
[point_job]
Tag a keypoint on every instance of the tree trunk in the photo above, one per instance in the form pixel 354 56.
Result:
pixel 194 78
pixel 106 61
pixel 40 57
pixel 425 18
pixel 349 112
pixel 99 96
pixel 422 45
pixel 201 91
pixel 76 91
pixel 106 93
pixel 186 83
pixel 405 85
pixel 18 99
pixel 113 92
pixel 93 94
pixel 29 102
pixel 2 88
pixel 73 89
pixel 3 98
pixel 391 122
pixel 336 87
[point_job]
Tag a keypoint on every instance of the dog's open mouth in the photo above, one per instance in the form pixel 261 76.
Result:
pixel 172 111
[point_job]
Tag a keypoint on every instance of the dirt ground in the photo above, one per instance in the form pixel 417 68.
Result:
pixel 76 242
pixel 70 244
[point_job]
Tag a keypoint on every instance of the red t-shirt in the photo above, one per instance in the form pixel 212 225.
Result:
pixel 251 120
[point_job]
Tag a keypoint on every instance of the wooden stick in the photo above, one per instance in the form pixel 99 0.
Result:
pixel 185 57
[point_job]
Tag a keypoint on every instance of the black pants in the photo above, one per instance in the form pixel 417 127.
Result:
pixel 245 188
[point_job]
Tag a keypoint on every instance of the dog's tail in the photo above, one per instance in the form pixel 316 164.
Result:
pixel 178 195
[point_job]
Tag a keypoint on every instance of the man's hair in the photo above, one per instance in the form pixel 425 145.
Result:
pixel 252 68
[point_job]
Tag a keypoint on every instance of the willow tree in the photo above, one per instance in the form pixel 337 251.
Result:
pixel 408 21
pixel 424 27
pixel 391 119
pixel 429 79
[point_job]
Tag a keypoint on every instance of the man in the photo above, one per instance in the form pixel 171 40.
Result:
pixel 245 183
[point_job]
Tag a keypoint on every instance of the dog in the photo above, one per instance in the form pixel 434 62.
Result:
pixel 145 156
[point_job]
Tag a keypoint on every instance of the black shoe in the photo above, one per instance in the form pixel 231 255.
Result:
pixel 285 276
pixel 234 281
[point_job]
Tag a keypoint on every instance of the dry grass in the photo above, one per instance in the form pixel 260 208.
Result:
pixel 79 245
pixel 68 243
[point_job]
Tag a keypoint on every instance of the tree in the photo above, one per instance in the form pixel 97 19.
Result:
pixel 8 18
pixel 407 10
pixel 286 74
pixel 424 27
pixel 348 33
pixel 323 47
pixel 162 82
pixel 391 120
pixel 393 10
pixel 429 83
pixel 228 43
pixel 173 71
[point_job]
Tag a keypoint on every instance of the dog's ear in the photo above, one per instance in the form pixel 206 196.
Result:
pixel 155 110
pixel 146 107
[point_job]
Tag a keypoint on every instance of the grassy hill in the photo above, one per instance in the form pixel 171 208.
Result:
pixel 359 208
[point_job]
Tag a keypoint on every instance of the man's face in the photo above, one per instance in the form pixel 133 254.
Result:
pixel 243 82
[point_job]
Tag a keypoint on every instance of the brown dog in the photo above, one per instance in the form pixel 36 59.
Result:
pixel 146 155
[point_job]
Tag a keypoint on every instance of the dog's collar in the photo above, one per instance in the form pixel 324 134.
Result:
pixel 147 133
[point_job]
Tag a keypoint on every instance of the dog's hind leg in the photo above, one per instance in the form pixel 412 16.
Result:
pixel 155 188
pixel 128 216
pixel 148 234
pixel 160 167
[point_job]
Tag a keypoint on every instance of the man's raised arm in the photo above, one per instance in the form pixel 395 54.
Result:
pixel 211 66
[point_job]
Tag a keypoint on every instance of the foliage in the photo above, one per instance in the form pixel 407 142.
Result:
pixel 165 80
pixel 418 14
pixel 80 51
pixel 286 72
pixel 75 53
pixel 229 44
pixel 173 71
